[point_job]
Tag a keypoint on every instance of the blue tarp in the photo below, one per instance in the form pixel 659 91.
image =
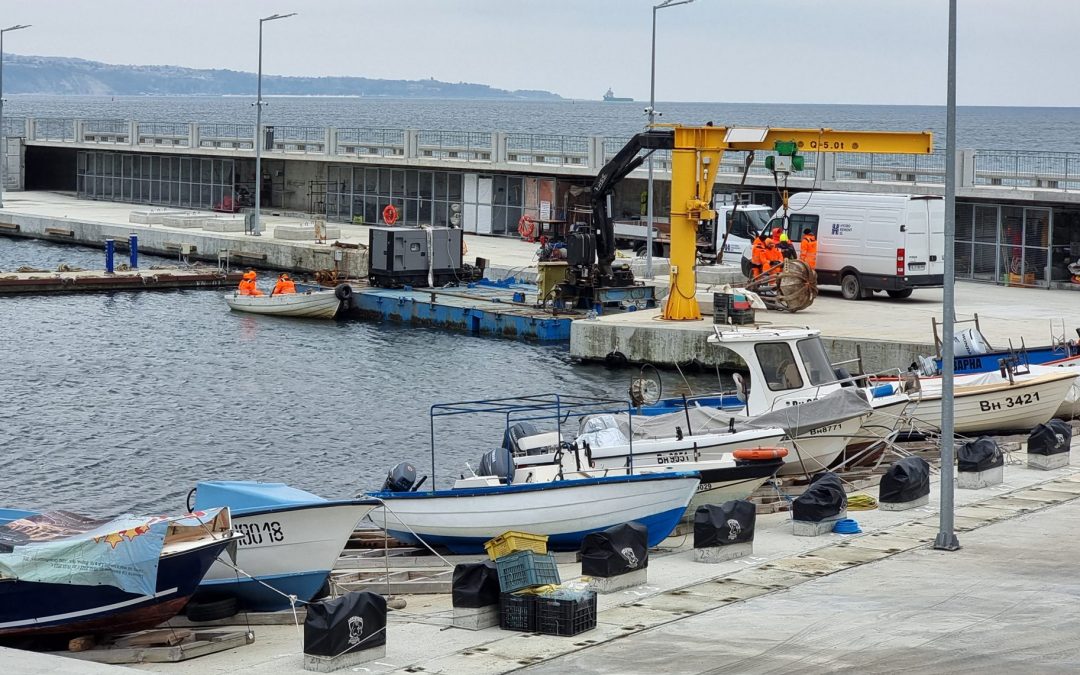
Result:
pixel 242 496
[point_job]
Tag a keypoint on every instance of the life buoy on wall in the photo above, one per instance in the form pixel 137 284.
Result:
pixel 527 227
pixel 389 214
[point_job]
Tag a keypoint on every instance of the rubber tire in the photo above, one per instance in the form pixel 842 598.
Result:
pixel 343 291
pixel 745 264
pixel 851 288
pixel 901 294
pixel 211 608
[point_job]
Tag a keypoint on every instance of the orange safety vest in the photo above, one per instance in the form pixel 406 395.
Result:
pixel 248 287
pixel 757 258
pixel 774 258
pixel 808 250
pixel 284 287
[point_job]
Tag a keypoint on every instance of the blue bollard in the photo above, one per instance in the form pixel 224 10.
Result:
pixel 110 251
pixel 133 244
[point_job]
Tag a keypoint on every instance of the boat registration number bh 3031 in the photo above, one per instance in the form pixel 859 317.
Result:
pixel 259 533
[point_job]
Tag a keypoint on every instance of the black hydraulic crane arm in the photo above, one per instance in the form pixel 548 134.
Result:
pixel 620 166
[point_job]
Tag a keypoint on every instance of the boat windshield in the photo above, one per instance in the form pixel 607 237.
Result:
pixel 816 361
pixel 778 366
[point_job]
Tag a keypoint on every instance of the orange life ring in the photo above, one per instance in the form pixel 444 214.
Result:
pixel 527 227
pixel 389 214
pixel 761 453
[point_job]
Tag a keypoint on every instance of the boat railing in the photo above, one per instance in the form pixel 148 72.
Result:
pixel 862 381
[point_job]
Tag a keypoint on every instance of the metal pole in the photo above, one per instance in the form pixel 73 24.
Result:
pixel 255 222
pixel 649 194
pixel 3 136
pixel 946 538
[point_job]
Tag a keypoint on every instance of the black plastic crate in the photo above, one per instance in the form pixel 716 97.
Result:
pixel 517 611
pixel 558 616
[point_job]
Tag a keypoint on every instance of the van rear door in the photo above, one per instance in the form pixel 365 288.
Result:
pixel 924 241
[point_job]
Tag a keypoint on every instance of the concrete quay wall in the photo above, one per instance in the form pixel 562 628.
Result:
pixel 242 251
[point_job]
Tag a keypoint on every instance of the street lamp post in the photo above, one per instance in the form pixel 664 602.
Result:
pixel 3 136
pixel 255 222
pixel 651 112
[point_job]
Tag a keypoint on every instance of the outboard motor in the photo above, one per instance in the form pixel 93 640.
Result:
pixel 519 430
pixel 497 463
pixel 401 478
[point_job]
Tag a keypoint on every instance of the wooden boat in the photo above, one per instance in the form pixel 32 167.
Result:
pixel 102 577
pixel 289 540
pixel 311 304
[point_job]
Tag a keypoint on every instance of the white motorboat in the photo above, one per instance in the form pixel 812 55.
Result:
pixel 311 304
pixel 289 541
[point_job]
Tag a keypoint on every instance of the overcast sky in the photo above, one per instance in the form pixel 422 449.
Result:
pixel 1011 52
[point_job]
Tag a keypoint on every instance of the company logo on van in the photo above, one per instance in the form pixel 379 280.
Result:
pixel 840 228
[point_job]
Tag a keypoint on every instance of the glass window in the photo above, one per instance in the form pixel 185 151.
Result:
pixel 778 366
pixel 798 222
pixel 816 361
pixel 440 185
pixel 453 187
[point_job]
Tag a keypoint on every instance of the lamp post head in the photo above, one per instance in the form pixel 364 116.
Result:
pixel 671 3
pixel 275 17
pixel 16 27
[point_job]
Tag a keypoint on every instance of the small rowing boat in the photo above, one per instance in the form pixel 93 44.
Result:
pixel 310 304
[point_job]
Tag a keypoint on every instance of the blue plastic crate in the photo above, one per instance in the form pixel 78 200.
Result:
pixel 524 569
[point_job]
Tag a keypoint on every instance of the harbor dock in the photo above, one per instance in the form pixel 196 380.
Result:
pixel 878 600
pixel 93 281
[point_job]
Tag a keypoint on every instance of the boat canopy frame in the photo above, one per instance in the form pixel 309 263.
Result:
pixel 530 408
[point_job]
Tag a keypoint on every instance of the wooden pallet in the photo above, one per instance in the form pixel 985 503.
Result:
pixel 373 538
pixel 162 646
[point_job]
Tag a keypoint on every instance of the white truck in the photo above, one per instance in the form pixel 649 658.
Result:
pixel 749 219
pixel 869 242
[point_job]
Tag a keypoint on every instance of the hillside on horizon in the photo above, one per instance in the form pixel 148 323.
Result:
pixel 62 75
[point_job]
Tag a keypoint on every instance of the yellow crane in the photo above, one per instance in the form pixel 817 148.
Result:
pixel 695 160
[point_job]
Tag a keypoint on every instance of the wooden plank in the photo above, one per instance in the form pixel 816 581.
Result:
pixel 207 642
pixel 158 637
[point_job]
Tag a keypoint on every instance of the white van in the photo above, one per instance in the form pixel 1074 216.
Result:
pixel 870 242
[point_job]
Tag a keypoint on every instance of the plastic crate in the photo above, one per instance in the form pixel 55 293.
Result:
pixel 511 542
pixel 525 568
pixel 517 611
pixel 561 616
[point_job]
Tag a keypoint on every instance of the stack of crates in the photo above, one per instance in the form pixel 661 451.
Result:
pixel 732 308
pixel 531 600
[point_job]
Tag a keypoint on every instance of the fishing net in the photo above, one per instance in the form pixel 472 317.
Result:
pixel 792 289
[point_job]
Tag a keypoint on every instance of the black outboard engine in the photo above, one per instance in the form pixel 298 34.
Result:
pixel 519 430
pixel 401 478
pixel 497 463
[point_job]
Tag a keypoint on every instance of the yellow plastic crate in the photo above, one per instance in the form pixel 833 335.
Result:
pixel 509 542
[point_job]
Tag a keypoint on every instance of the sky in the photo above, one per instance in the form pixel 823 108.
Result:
pixel 1010 52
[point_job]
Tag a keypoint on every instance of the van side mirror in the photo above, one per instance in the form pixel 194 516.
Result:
pixel 903 228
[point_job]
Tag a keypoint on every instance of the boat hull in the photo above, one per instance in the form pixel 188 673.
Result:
pixel 311 305
pixel 289 550
pixel 462 520
pixel 32 610
pixel 816 449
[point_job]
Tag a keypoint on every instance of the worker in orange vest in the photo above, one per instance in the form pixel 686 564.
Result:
pixel 757 256
pixel 776 232
pixel 284 285
pixel 808 249
pixel 774 257
pixel 247 284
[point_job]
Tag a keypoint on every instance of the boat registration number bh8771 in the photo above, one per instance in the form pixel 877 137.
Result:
pixel 259 533
pixel 1009 402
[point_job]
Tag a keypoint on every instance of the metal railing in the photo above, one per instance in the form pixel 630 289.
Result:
pixel 978 169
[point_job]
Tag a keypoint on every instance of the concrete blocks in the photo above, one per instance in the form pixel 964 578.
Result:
pixel 328 664
pixel 805 528
pixel 718 554
pixel 190 219
pixel 976 480
pixel 476 618
pixel 150 216
pixel 304 232
pixel 224 224
pixel 620 582
pixel 1048 462
pixel 904 506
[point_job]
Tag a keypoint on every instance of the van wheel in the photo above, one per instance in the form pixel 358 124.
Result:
pixel 851 288
pixel 745 267
pixel 901 294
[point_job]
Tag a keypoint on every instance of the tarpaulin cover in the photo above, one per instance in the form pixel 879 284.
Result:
pixel 724 524
pixel 475 584
pixel 823 498
pixel 1050 439
pixel 617 550
pixel 979 455
pixel 833 408
pixel 245 496
pixel 351 623
pixel 905 481
pixel 64 548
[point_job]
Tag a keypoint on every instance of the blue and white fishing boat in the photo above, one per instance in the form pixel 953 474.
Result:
pixel 289 540
pixel 64 575
pixel 462 518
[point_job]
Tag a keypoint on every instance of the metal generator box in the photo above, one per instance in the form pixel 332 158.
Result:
pixel 418 257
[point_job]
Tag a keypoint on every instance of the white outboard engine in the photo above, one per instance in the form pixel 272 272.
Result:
pixel 402 478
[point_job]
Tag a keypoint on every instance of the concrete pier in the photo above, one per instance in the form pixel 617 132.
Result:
pixel 92 281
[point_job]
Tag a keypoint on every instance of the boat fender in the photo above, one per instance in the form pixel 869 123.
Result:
pixel 343 292
pixel 760 453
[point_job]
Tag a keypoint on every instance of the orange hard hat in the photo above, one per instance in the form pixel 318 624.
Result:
pixel 250 274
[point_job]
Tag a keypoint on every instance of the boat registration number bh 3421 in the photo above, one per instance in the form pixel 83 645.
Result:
pixel 1009 402
pixel 259 533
